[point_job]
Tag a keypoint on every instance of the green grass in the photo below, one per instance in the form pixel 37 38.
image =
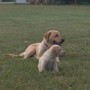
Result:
pixel 20 23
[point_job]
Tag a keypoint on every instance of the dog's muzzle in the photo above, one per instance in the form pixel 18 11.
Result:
pixel 62 40
pixel 59 43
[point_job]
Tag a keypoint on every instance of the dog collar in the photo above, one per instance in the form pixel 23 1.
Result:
pixel 46 44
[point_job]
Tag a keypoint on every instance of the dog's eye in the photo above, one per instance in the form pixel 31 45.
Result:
pixel 56 35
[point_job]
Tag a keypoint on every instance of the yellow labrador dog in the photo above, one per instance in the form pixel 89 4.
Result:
pixel 37 49
pixel 50 38
pixel 48 60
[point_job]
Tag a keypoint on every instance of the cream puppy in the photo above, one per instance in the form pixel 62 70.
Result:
pixel 48 60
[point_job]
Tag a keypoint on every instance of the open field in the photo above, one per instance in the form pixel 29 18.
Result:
pixel 20 23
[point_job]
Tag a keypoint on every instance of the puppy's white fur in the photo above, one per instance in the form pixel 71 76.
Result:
pixel 49 59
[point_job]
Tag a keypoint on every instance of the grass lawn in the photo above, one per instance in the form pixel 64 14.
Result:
pixel 20 23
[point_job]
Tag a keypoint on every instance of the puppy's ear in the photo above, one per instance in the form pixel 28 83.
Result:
pixel 56 50
pixel 47 35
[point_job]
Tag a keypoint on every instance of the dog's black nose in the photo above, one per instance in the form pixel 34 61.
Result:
pixel 62 40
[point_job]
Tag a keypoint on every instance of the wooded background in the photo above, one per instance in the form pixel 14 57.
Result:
pixel 55 2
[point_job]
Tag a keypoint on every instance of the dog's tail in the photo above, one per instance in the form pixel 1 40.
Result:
pixel 12 55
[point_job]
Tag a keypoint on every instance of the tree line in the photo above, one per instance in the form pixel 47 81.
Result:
pixel 57 2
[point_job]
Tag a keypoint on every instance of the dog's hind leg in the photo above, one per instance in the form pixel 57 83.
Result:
pixel 28 53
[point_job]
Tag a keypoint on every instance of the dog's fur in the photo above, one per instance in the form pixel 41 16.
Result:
pixel 37 49
pixel 48 60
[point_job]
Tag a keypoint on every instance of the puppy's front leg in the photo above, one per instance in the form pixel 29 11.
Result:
pixel 55 67
pixel 57 59
pixel 41 66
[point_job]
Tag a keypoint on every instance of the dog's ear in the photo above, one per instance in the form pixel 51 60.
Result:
pixel 47 35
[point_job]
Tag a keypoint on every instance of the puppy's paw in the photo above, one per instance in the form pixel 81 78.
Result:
pixel 57 60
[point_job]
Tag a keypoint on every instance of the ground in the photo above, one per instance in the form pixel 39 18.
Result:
pixel 22 23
